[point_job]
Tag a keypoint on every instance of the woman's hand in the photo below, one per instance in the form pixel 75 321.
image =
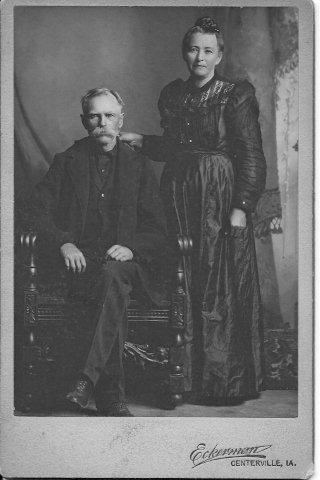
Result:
pixel 238 218
pixel 133 139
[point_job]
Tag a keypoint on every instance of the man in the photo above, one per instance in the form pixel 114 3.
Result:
pixel 99 206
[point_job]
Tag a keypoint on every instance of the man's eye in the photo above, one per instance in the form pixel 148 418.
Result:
pixel 209 51
pixel 97 116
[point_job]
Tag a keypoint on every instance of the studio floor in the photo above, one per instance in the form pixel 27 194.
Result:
pixel 271 403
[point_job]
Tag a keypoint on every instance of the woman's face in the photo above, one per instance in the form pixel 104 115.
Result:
pixel 202 55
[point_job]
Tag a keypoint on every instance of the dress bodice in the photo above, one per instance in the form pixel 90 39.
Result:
pixel 195 116
pixel 220 117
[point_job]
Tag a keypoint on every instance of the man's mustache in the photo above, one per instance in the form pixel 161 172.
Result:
pixel 103 133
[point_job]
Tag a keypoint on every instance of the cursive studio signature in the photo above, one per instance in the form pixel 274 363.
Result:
pixel 202 454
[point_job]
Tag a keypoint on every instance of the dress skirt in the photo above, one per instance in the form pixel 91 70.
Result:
pixel 223 333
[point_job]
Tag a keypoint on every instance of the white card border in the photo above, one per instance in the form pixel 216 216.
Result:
pixel 154 447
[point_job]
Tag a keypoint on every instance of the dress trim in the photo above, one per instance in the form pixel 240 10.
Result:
pixel 217 92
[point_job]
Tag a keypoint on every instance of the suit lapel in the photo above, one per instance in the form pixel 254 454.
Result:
pixel 128 183
pixel 128 169
pixel 78 168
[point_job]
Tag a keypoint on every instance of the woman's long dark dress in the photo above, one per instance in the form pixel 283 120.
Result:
pixel 214 162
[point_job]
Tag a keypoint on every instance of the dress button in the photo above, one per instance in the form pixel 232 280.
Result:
pixel 102 195
pixel 190 141
pixel 102 170
pixel 188 123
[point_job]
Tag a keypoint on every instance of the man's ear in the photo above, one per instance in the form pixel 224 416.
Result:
pixel 121 120
pixel 83 120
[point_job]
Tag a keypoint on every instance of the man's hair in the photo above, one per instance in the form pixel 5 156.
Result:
pixel 203 25
pixel 95 92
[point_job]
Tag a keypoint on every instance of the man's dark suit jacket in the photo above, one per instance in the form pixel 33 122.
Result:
pixel 59 204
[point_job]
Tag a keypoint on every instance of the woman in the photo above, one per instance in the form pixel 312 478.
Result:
pixel 214 174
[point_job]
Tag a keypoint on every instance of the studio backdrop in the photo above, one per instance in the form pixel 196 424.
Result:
pixel 61 52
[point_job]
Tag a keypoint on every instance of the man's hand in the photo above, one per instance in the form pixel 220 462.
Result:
pixel 238 218
pixel 73 257
pixel 117 252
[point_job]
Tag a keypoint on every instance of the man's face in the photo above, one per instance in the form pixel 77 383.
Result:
pixel 103 119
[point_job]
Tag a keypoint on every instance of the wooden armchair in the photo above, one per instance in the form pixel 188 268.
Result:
pixel 48 336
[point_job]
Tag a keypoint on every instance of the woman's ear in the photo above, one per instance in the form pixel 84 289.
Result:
pixel 184 54
pixel 219 57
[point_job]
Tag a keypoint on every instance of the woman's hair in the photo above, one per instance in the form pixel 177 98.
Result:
pixel 203 25
pixel 95 92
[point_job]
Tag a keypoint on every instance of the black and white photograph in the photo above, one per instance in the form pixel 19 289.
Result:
pixel 157 239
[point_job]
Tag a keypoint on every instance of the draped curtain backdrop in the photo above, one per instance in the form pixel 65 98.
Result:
pixel 60 52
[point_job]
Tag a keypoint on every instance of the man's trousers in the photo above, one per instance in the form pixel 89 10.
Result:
pixel 109 286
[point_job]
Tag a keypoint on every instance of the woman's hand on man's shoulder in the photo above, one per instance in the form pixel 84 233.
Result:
pixel 135 140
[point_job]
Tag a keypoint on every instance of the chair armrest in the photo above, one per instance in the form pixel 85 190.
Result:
pixel 185 245
pixel 181 291
pixel 27 244
pixel 27 239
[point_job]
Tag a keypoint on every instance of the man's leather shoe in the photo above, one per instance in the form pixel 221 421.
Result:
pixel 81 394
pixel 116 409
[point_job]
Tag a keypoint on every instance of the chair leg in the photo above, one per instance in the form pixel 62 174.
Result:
pixel 177 322
pixel 30 355
pixel 176 379
pixel 176 351
pixel 30 352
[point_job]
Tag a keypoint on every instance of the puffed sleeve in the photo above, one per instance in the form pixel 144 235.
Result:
pixel 159 148
pixel 242 114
